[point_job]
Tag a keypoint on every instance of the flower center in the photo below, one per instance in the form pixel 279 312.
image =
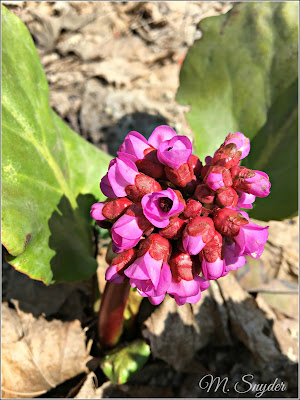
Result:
pixel 165 204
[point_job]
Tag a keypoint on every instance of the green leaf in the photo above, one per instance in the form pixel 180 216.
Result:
pixel 232 77
pixel 122 363
pixel 275 149
pixel 50 175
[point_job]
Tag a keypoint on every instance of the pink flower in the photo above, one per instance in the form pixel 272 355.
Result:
pixel 175 152
pixel 150 273
pixel 96 211
pixel 251 240
pixel 122 173
pixel 245 200
pixel 157 185
pixel 158 207
pixel 252 182
pixel 197 233
pixel 128 229
pixel 161 134
pixel 123 179
pixel 188 291
pixel 134 146
pixel 241 141
pixel 232 262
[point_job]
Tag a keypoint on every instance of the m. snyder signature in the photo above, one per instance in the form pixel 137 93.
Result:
pixel 244 386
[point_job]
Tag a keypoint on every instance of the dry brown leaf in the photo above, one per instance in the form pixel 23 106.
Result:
pixel 248 321
pixel 89 389
pixel 177 332
pixel 37 355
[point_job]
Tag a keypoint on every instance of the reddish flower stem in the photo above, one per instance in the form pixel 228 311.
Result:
pixel 110 317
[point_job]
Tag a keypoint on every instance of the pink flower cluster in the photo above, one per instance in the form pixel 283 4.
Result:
pixel 176 224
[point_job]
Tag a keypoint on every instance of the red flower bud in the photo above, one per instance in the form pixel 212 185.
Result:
pixel 159 248
pixel 227 156
pixel 227 197
pixel 143 185
pixel 204 170
pixel 123 260
pixel 114 208
pixel 252 182
pixel 180 177
pixel 150 165
pixel 174 230
pixel 228 221
pixel 195 165
pixel 218 177
pixel 204 194
pixel 192 209
pixel 184 266
pixel 104 224
pixel 213 249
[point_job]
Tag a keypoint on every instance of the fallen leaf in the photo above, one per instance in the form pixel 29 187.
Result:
pixel 37 355
pixel 248 322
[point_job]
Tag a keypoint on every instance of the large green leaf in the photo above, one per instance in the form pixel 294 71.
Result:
pixel 275 149
pixel 122 363
pixel 50 176
pixel 244 63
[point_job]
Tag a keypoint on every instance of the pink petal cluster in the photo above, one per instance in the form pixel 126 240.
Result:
pixel 175 223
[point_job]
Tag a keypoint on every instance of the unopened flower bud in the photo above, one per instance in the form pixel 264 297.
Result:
pixel 211 258
pixel 150 165
pixel 115 271
pixel 143 185
pixel 227 156
pixel 192 208
pixel 158 247
pixel 205 194
pixel 197 233
pixel 241 141
pixel 249 181
pixel 227 197
pixel 114 208
pixel 184 266
pixel 174 230
pixel 186 285
pixel 228 221
pixel 180 177
pixel 218 177
pixel 196 165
